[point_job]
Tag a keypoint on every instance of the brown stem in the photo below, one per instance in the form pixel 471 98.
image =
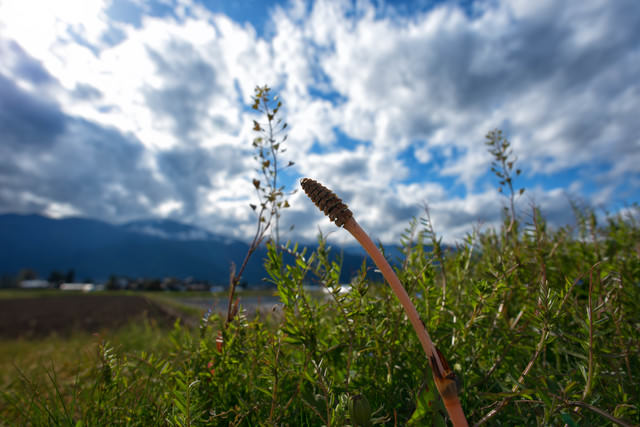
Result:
pixel 235 278
pixel 339 213
pixel 361 236
pixel 443 377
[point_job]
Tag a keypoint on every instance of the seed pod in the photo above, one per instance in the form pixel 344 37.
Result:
pixel 327 201
pixel 360 411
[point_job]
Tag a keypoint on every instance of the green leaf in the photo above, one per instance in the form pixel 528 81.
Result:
pixel 429 407
pixel 566 418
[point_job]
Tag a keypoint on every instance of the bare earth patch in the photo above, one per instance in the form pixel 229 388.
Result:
pixel 41 316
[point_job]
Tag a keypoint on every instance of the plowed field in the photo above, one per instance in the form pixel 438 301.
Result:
pixel 63 314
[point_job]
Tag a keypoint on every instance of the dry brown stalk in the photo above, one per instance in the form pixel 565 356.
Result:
pixel 339 213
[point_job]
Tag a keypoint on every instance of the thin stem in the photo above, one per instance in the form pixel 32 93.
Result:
pixel 442 376
pixel 516 386
pixel 599 411
pixel 235 277
pixel 438 250
pixel 423 335
pixel 275 383
pixel 274 178
pixel 587 388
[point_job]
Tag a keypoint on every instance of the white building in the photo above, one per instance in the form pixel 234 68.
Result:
pixel 34 284
pixel 84 287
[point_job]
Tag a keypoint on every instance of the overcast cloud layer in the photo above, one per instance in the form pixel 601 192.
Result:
pixel 125 116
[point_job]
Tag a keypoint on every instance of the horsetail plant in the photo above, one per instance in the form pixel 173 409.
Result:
pixel 339 213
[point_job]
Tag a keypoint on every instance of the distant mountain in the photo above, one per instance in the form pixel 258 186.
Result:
pixel 171 230
pixel 145 248
pixel 393 253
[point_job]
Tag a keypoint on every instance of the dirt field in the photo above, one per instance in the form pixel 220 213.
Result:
pixel 63 314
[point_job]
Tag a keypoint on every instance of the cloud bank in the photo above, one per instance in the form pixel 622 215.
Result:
pixel 122 116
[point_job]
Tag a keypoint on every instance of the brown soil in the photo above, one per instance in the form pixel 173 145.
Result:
pixel 41 316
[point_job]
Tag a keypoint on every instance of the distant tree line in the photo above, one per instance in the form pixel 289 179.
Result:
pixel 115 282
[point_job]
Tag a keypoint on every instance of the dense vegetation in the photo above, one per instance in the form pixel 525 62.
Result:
pixel 540 324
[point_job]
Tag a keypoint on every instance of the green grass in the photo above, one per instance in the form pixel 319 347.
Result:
pixel 66 353
pixel 170 302
pixel 47 380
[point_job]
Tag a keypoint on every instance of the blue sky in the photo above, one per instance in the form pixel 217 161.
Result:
pixel 121 110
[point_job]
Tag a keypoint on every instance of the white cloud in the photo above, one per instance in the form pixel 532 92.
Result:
pixel 168 207
pixel 42 27
pixel 440 80
pixel 560 78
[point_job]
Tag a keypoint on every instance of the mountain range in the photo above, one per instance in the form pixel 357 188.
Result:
pixel 152 248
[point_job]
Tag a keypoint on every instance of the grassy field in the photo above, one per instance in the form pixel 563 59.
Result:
pixel 68 346
pixel 70 355
pixel 66 354
pixel 541 326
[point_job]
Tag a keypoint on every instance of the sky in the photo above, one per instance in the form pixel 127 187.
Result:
pixel 127 109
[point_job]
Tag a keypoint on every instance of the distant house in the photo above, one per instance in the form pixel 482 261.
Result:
pixel 84 287
pixel 34 284
pixel 198 287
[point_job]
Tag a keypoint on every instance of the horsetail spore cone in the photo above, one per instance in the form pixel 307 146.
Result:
pixel 327 201
pixel 339 213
